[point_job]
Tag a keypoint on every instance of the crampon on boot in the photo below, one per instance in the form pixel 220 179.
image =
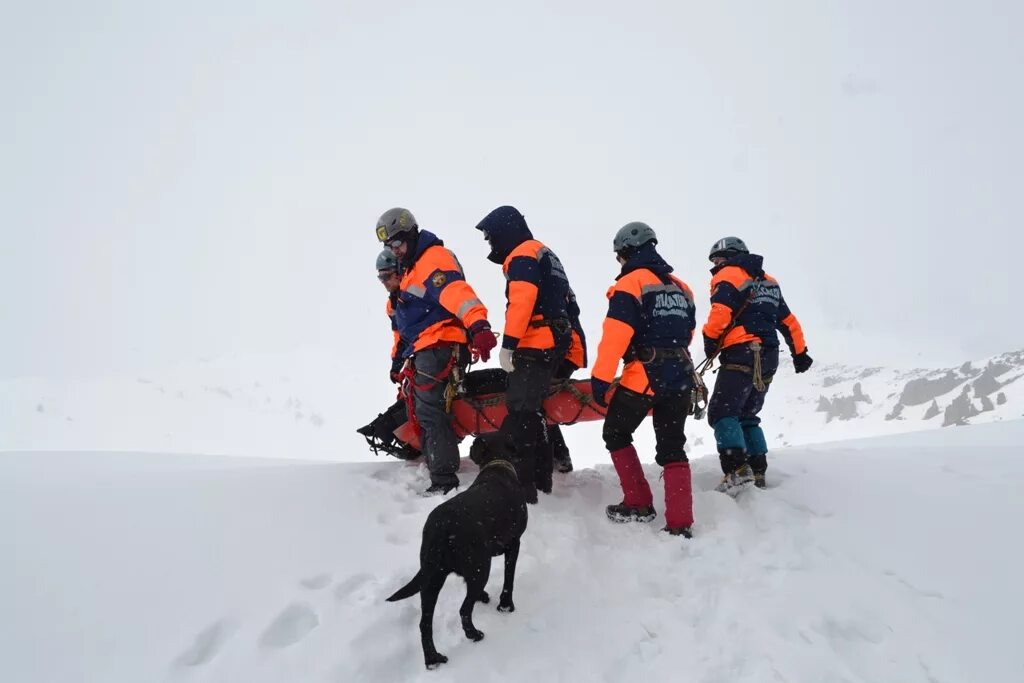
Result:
pixel 759 481
pixel 683 531
pixel 734 481
pixel 627 513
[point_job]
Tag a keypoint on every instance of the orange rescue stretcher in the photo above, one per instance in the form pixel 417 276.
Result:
pixel 569 401
pixel 479 408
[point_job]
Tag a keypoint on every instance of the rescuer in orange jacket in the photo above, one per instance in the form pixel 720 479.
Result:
pixel 387 273
pixel 747 307
pixel 379 433
pixel 538 335
pixel 650 323
pixel 434 309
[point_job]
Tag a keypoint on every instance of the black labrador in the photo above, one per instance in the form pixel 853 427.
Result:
pixel 460 536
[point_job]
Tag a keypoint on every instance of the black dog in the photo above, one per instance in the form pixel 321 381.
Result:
pixel 537 467
pixel 461 535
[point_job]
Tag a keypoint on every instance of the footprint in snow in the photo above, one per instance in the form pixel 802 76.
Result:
pixel 351 585
pixel 292 625
pixel 207 644
pixel 315 583
pixel 920 592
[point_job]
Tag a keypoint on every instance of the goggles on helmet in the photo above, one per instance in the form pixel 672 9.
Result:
pixel 397 241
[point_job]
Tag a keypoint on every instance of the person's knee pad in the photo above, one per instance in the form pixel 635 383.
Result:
pixel 729 434
pixel 753 435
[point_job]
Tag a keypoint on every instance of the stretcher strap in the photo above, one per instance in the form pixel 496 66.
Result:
pixel 584 401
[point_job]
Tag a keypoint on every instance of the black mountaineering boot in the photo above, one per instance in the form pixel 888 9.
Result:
pixel 735 479
pixel 627 513
pixel 683 531
pixel 439 490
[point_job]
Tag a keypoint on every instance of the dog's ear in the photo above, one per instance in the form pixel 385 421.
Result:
pixel 478 451
pixel 488 447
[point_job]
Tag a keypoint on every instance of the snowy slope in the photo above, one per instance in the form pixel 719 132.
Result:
pixel 308 404
pixel 890 559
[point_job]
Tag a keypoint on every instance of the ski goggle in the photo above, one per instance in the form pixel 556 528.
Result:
pixel 397 241
pixel 385 275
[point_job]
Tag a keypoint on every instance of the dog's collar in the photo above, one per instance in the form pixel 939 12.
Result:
pixel 498 462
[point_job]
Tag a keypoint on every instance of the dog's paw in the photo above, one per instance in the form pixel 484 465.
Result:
pixel 435 660
pixel 484 597
pixel 506 606
pixel 475 635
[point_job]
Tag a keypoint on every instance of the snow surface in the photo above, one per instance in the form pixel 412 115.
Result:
pixel 889 559
pixel 307 405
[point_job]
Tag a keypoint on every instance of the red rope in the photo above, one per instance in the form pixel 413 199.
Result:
pixel 410 388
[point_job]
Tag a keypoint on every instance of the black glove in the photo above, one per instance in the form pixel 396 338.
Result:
pixel 710 346
pixel 396 370
pixel 598 388
pixel 801 361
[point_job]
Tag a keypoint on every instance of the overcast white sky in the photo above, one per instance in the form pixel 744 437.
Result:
pixel 195 178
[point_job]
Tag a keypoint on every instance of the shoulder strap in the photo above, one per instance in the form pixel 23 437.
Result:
pixel 754 288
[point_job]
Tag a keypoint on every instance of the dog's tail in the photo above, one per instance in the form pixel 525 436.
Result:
pixel 408 590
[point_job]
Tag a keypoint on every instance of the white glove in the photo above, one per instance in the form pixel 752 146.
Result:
pixel 505 360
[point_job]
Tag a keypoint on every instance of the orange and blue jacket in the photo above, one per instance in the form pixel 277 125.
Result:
pixel 537 293
pixel 648 308
pixel 435 303
pixel 541 310
pixel 734 282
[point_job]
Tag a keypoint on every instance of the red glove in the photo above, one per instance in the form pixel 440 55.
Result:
pixel 481 339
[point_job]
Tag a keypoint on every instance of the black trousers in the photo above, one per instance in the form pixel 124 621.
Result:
pixel 524 426
pixel 629 408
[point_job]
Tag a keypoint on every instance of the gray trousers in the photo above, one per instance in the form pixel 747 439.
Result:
pixel 440 446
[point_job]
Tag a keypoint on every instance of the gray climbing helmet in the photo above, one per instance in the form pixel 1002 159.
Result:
pixel 386 260
pixel 632 236
pixel 393 222
pixel 728 246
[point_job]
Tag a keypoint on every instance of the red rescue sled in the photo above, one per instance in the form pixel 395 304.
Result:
pixel 569 402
